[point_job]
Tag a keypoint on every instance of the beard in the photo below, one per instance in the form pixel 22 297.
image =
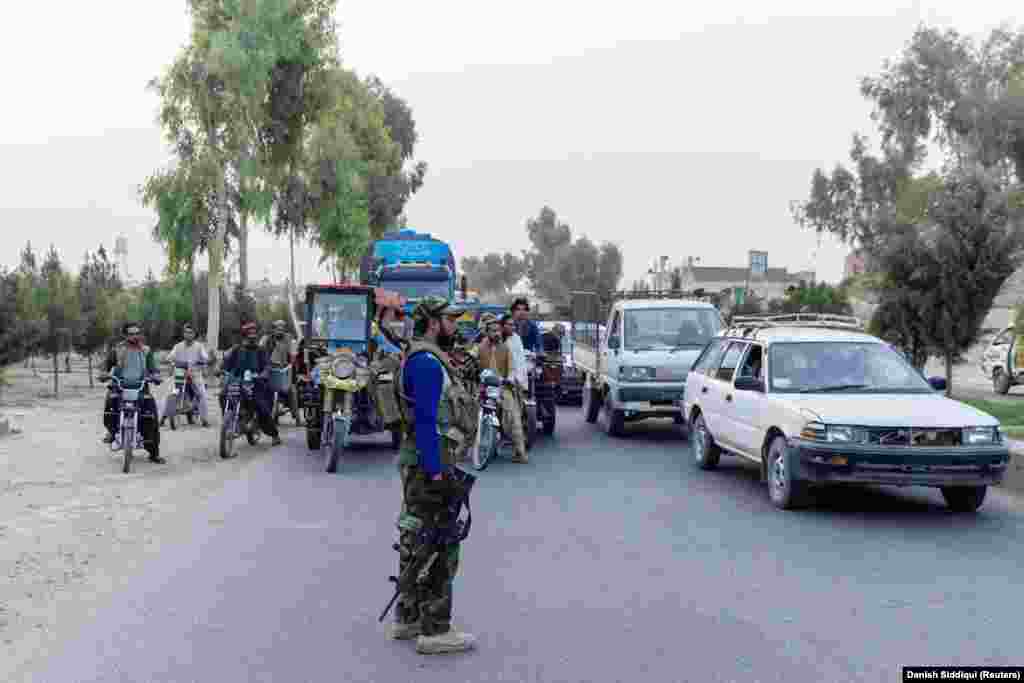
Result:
pixel 445 342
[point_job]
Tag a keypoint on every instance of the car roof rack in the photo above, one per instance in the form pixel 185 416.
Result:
pixel 745 325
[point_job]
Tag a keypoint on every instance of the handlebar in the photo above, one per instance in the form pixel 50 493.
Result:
pixel 151 379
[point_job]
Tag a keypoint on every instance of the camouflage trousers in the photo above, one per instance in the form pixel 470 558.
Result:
pixel 462 450
pixel 512 418
pixel 429 603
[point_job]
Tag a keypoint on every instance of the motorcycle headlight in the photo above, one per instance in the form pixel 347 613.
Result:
pixel 978 436
pixel 342 368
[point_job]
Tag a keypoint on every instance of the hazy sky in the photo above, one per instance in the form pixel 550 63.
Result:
pixel 668 128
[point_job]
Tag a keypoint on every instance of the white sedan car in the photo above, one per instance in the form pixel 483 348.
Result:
pixel 815 403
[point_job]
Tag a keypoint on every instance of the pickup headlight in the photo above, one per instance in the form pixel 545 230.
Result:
pixel 979 436
pixel 636 374
pixel 816 431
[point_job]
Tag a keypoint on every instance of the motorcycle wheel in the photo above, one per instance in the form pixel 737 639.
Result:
pixel 127 443
pixel 549 423
pixel 531 427
pixel 191 418
pixel 293 405
pixel 485 449
pixel 227 435
pixel 396 439
pixel 336 447
pixel 313 430
pixel 252 433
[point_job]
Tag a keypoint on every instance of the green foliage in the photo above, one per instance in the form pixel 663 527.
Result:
pixel 342 214
pixel 556 265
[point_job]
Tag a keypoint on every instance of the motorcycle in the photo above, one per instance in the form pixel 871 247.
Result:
pixel 545 384
pixel 131 416
pixel 186 401
pixel 285 396
pixel 239 413
pixel 488 420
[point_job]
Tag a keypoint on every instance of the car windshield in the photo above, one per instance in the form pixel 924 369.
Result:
pixel 417 290
pixel 340 316
pixel 669 328
pixel 847 367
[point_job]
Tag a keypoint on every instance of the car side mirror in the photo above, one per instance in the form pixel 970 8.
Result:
pixel 614 343
pixel 938 383
pixel 745 383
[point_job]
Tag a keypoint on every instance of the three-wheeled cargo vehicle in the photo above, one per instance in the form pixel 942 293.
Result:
pixel 348 389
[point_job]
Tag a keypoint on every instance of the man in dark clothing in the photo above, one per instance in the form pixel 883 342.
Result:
pixel 131 361
pixel 250 356
pixel 527 329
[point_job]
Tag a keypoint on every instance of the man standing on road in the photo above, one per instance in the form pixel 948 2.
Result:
pixel 520 378
pixel 279 346
pixel 435 421
pixel 131 362
pixel 496 355
pixel 527 329
pixel 189 352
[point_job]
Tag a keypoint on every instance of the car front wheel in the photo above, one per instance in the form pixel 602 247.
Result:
pixel 785 491
pixel 964 498
pixel 706 452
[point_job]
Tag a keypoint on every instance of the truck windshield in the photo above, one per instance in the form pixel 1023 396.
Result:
pixel 417 290
pixel 340 316
pixel 669 328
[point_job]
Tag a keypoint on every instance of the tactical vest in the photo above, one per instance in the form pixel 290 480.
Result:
pixel 455 414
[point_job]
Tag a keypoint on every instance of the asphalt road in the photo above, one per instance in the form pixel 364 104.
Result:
pixel 601 560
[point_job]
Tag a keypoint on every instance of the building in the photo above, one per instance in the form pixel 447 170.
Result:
pixel 762 281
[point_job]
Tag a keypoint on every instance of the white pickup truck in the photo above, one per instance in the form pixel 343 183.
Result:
pixel 638 369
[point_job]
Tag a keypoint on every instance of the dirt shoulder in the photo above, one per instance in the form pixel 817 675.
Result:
pixel 72 526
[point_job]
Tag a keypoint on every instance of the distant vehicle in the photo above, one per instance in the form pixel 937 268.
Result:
pixel 638 369
pixel 1000 362
pixel 812 399
pixel 411 264
pixel 571 386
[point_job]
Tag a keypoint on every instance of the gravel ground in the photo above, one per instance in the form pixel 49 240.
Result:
pixel 73 528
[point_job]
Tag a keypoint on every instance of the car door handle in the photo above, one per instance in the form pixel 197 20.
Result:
pixel 704 390
pixel 728 397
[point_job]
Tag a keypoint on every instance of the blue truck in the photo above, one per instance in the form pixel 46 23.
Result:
pixel 415 265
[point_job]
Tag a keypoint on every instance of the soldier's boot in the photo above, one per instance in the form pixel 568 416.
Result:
pixel 400 631
pixel 520 453
pixel 450 642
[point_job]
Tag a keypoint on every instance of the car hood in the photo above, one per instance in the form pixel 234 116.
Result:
pixel 669 367
pixel 889 410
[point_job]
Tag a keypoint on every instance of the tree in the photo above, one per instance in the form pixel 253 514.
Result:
pixel 98 284
pixel 58 299
pixel 677 279
pixel 947 240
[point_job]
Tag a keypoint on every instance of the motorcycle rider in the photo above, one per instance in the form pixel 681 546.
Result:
pixel 249 356
pixel 131 361
pixel 435 420
pixel 495 354
pixel 279 346
pixel 527 329
pixel 189 352
pixel 552 339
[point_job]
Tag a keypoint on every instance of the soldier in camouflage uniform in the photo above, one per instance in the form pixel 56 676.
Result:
pixel 436 421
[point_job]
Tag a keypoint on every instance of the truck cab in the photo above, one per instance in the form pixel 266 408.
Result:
pixel 414 265
pixel 637 368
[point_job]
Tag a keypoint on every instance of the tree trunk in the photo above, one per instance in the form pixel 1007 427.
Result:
pixel 243 249
pixel 216 254
pixel 949 375
pixel 56 375
pixel 89 355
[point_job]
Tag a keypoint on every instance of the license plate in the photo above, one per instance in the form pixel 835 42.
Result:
pixel 643 405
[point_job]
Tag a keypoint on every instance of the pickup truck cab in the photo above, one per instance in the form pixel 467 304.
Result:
pixel 638 369
pixel 1001 361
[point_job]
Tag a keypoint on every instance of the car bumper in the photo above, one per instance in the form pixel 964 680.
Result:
pixel 956 466
pixel 639 400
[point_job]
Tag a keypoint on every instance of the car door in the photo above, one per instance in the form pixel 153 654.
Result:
pixel 610 357
pixel 746 408
pixel 717 399
pixel 695 379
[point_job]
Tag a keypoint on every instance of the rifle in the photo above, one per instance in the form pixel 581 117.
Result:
pixel 431 540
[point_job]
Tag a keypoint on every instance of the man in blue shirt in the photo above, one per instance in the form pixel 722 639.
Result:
pixel 436 421
pixel 527 329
